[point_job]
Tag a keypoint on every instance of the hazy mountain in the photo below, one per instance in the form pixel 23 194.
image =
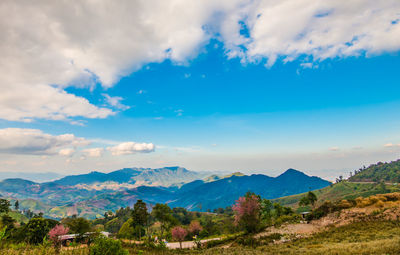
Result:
pixel 135 177
pixel 36 177
pixel 224 192
pixel 69 195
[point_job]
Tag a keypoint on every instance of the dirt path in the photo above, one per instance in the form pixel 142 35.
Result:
pixel 175 245
pixel 188 244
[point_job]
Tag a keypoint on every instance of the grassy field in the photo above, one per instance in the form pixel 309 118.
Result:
pixel 339 191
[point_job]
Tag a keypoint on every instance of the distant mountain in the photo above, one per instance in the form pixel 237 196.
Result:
pixel 224 192
pixel 36 177
pixel 387 172
pixel 134 176
pixel 92 194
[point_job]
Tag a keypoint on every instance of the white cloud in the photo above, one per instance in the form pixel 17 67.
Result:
pixel 35 142
pixel 48 45
pixel 67 152
pixel 115 102
pixel 320 29
pixel 131 148
pixel 94 152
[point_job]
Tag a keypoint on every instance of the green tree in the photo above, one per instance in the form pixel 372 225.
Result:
pixel 4 206
pixel 35 230
pixel 78 226
pixel 310 198
pixel 163 214
pixel 140 215
pixel 266 209
pixel 16 205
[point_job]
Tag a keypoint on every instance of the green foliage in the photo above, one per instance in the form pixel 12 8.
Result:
pixel 78 226
pixel 36 230
pixel 130 231
pixel 107 246
pixel 308 199
pixel 163 213
pixel 140 216
pixel 4 205
pixel 387 172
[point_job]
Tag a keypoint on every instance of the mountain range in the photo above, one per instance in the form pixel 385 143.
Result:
pixel 90 195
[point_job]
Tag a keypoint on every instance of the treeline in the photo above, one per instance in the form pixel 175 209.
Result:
pixel 387 172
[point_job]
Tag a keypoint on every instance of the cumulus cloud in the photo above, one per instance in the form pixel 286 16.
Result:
pixel 131 148
pixel 335 148
pixel 48 45
pixel 67 152
pixel 318 29
pixel 93 152
pixel 115 102
pixel 35 142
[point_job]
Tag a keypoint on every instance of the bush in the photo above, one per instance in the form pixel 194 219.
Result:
pixel 248 241
pixel 107 246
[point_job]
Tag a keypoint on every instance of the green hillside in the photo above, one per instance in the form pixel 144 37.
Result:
pixel 387 172
pixel 341 190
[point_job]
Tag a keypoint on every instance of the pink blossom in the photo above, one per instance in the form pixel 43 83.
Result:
pixel 179 234
pixel 246 207
pixel 195 227
pixel 57 231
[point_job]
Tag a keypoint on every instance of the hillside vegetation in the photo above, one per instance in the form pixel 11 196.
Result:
pixel 340 191
pixel 387 172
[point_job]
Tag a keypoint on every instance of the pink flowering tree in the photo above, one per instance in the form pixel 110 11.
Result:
pixel 247 212
pixel 195 227
pixel 179 234
pixel 55 233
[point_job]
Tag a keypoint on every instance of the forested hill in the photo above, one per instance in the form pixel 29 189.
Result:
pixel 387 172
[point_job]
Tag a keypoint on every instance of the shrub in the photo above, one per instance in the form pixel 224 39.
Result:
pixel 248 241
pixel 107 246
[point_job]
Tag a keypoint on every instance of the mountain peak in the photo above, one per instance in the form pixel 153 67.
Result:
pixel 291 172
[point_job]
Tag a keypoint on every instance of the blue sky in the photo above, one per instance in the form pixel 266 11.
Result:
pixel 226 101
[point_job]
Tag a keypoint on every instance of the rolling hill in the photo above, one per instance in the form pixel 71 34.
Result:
pixel 78 195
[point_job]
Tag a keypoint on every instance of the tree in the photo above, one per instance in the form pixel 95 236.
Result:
pixel 16 205
pixel 4 206
pixel 140 215
pixel 78 226
pixel 54 235
pixel 179 234
pixel 266 209
pixel 310 198
pixel 35 230
pixel 7 222
pixel 163 213
pixel 195 227
pixel 247 212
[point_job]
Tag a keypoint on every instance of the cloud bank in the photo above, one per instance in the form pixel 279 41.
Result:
pixel 35 142
pixel 47 46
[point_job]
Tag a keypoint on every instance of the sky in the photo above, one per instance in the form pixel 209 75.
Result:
pixel 250 86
